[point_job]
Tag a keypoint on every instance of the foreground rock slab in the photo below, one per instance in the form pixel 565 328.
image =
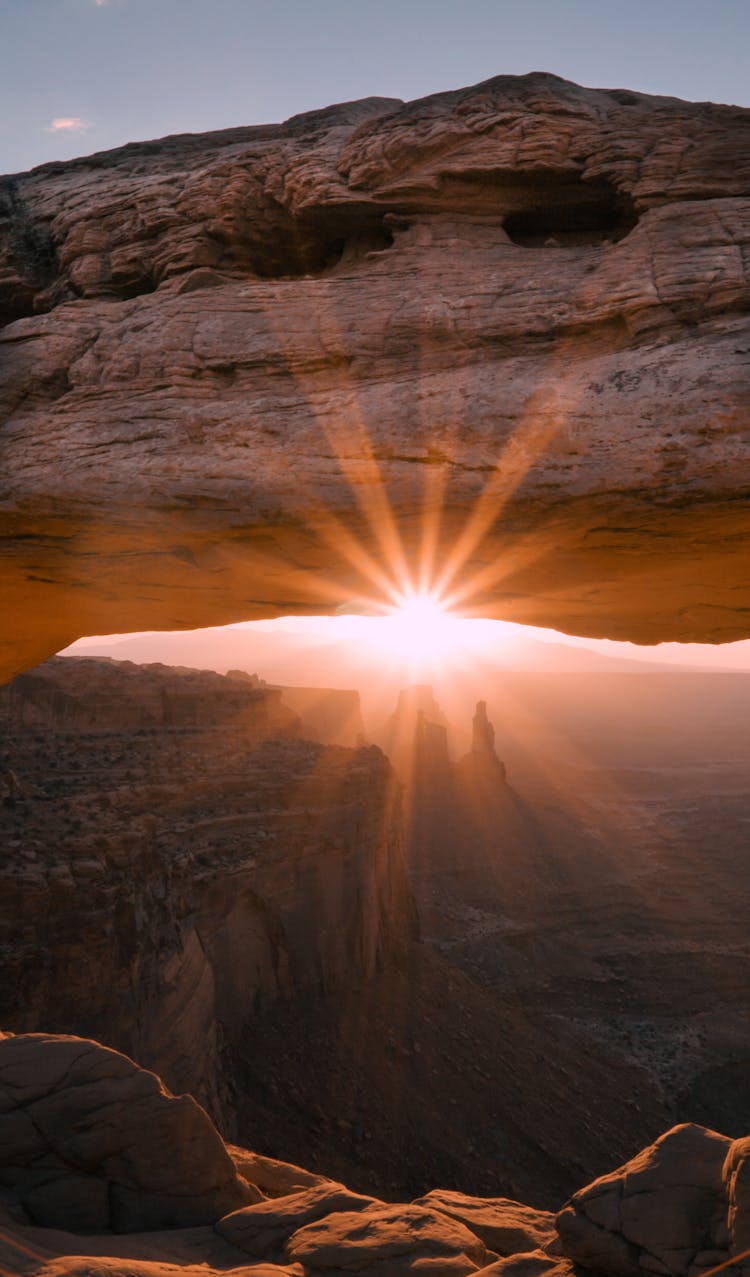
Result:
pixel 89 1142
pixel 504 1226
pixel 681 1206
pixel 194 1252
pixel 264 1229
pixel 271 1177
pixel 244 372
pixel 388 1241
pixel 533 1263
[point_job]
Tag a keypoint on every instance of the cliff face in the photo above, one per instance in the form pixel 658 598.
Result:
pixel 446 799
pixel 160 885
pixel 332 716
pixel 233 910
pixel 327 714
pixel 415 735
pixel 524 301
pixel 79 695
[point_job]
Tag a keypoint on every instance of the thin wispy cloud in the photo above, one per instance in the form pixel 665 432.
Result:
pixel 68 124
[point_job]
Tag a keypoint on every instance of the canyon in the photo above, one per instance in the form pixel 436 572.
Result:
pixel 188 879
pixel 201 893
pixel 174 854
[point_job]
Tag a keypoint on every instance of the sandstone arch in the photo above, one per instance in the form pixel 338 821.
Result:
pixel 225 356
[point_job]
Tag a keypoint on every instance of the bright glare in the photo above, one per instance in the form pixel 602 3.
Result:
pixel 418 633
pixel 417 614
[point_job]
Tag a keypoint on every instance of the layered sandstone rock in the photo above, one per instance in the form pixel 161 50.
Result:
pixel 415 735
pixel 272 1177
pixel 507 1227
pixel 329 714
pixel 525 301
pixel 481 764
pixel 75 694
pixel 160 884
pixel 395 1241
pixel 681 1206
pixel 263 1230
pixel 90 1142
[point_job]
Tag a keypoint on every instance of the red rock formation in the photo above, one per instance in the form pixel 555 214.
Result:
pixel 79 694
pixel 391 1239
pixel 483 759
pixel 415 735
pixel 681 1206
pixel 504 1226
pixel 90 1142
pixel 535 292
pixel 330 715
pixel 158 884
pixel 263 1231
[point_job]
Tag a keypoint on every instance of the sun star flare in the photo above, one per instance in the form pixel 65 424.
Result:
pixel 419 631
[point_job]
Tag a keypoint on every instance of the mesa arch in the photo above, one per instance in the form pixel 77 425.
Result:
pixel 226 360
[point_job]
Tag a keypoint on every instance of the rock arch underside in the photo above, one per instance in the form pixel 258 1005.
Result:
pixel 225 359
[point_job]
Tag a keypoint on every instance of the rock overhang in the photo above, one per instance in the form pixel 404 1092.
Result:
pixel 242 370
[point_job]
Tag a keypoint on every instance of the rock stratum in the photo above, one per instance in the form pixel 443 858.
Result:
pixel 269 369
pixel 174 858
pixel 103 1171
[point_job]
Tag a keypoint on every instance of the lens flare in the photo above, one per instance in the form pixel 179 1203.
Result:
pixel 418 612
pixel 418 631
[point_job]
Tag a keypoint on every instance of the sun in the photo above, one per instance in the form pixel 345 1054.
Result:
pixel 417 632
pixel 418 613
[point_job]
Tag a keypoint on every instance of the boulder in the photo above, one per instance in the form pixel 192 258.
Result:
pixel 535 1263
pixel 271 1177
pixel 90 1142
pixel 388 1241
pixel 504 1226
pixel 737 1187
pixel 662 1212
pixel 263 1229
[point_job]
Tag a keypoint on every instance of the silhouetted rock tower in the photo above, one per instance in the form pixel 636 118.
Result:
pixel 483 742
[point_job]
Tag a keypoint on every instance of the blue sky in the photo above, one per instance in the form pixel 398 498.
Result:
pixel 111 71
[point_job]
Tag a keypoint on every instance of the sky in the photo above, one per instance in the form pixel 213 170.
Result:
pixel 412 649
pixel 78 76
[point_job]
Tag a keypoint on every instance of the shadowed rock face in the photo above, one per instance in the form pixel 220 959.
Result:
pixel 172 859
pixel 680 1206
pixel 88 1141
pixel 69 695
pixel 525 300
pixel 91 1143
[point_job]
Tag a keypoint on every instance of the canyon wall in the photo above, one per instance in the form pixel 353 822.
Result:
pixel 245 372
pixel 330 715
pixel 159 885
pixel 67 694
